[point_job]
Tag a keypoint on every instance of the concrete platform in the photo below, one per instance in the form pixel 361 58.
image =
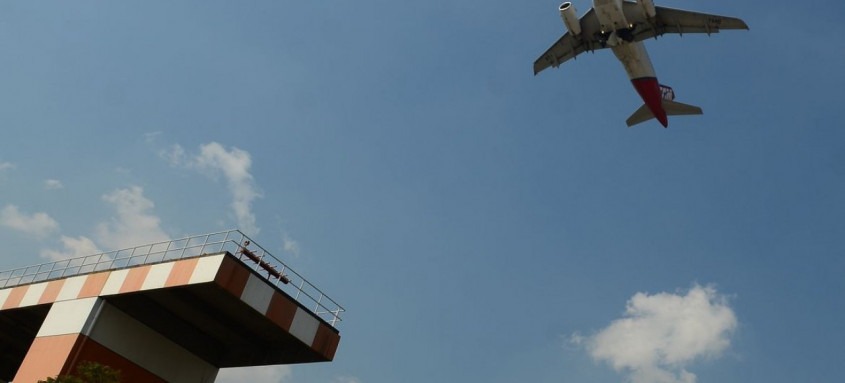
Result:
pixel 213 311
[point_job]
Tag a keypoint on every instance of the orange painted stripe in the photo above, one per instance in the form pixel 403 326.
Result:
pixel 181 272
pixel 47 357
pixel 54 355
pixel 52 291
pixel 232 276
pixel 326 341
pixel 94 285
pixel 15 297
pixel 135 279
pixel 281 310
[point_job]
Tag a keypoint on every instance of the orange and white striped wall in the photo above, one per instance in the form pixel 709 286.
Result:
pixel 177 321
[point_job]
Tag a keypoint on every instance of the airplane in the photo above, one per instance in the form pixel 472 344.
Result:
pixel 622 25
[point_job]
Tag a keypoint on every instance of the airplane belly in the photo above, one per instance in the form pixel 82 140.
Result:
pixel 610 14
pixel 634 58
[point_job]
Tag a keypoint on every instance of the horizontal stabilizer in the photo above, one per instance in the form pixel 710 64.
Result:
pixel 674 108
pixel 641 115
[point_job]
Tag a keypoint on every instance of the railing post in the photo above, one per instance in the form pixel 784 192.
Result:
pixel 166 250
pixel 319 301
pixel 204 244
pixel 334 318
pixel 299 289
pixel 225 239
pixel 184 249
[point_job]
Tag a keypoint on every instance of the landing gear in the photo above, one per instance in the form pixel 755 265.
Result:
pixel 626 34
pixel 602 39
pixel 617 37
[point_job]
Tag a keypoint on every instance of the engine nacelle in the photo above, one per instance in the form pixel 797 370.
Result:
pixel 570 19
pixel 648 8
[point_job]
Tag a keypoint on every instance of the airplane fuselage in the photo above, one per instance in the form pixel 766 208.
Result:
pixel 632 55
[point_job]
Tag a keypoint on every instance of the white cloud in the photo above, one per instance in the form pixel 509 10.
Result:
pixel 73 247
pixel 346 379
pixel 290 245
pixel 151 137
pixel 261 374
pixel 661 334
pixel 6 166
pixel 53 184
pixel 175 156
pixel 234 165
pixel 134 223
pixel 38 224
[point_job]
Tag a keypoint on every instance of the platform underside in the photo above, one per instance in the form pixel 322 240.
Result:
pixel 215 326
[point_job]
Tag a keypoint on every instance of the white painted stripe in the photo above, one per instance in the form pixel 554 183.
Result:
pixel 68 317
pixel 157 276
pixel 4 294
pixel 33 294
pixel 257 294
pixel 206 269
pixel 71 288
pixel 304 326
pixel 147 348
pixel 114 282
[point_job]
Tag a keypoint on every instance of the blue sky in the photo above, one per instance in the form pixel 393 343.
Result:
pixel 478 223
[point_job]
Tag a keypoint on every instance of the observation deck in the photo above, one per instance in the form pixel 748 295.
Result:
pixel 173 311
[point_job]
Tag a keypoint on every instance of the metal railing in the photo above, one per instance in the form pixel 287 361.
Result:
pixel 235 242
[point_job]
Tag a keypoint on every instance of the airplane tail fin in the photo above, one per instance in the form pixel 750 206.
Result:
pixel 673 108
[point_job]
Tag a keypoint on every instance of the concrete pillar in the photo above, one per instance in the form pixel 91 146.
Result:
pixel 90 329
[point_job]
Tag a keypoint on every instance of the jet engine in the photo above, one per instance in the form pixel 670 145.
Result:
pixel 648 8
pixel 570 19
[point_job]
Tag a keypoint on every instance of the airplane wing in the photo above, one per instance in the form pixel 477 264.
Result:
pixel 670 20
pixel 569 46
pixel 667 20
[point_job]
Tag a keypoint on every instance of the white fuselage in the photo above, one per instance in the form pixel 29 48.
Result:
pixel 634 58
pixel 632 55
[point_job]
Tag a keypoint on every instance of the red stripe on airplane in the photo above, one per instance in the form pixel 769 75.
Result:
pixel 649 91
